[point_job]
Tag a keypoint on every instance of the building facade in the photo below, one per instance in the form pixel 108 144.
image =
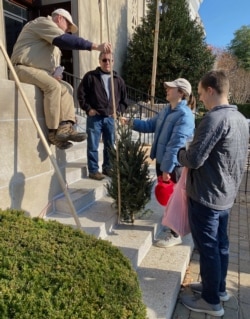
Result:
pixel 98 21
pixel 27 176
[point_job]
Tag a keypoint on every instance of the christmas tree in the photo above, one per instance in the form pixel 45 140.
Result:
pixel 128 159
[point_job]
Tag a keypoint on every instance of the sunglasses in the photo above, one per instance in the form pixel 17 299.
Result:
pixel 106 60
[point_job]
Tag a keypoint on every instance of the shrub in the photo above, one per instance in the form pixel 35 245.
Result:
pixel 49 270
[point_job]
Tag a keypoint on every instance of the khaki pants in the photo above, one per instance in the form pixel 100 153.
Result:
pixel 58 95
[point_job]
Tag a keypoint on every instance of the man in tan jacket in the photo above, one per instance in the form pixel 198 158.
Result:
pixel 37 56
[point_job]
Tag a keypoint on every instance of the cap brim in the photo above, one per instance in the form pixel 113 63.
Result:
pixel 169 84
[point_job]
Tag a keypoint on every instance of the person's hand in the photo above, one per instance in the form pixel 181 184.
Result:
pixel 104 47
pixel 92 112
pixel 166 177
pixel 123 120
pixel 58 78
pixel 58 73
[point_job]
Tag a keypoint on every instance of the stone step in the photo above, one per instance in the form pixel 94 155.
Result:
pixel 83 193
pixel 77 152
pixel 160 274
pixel 74 171
pixel 135 240
pixel 98 219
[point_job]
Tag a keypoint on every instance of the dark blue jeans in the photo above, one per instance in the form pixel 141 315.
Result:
pixel 98 126
pixel 209 231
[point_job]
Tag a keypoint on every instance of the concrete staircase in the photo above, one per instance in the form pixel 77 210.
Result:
pixel 160 271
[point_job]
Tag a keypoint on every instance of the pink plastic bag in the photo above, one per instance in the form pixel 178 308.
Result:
pixel 176 212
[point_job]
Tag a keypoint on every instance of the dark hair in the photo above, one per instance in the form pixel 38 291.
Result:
pixel 217 80
pixel 191 100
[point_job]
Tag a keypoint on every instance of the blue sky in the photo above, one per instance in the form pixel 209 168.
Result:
pixel 222 18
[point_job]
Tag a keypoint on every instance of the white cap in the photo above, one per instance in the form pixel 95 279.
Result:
pixel 68 17
pixel 179 83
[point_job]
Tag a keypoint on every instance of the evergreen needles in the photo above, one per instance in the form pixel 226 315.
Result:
pixel 135 181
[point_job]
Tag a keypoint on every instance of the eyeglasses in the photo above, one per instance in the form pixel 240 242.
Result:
pixel 106 60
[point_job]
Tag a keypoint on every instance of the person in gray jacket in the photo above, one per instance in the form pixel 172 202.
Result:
pixel 216 161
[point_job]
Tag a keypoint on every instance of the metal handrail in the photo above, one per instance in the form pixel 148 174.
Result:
pixel 139 106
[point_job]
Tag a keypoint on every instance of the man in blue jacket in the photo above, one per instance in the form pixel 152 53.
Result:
pixel 37 56
pixel 216 160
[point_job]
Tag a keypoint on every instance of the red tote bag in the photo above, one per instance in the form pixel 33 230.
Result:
pixel 163 191
pixel 176 212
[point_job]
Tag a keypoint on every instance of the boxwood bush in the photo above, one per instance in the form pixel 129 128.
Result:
pixel 49 270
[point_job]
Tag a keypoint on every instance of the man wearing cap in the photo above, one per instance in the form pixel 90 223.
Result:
pixel 172 126
pixel 37 56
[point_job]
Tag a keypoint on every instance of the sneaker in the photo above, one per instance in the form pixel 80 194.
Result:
pixel 66 132
pixel 62 145
pixel 97 176
pixel 198 304
pixel 197 287
pixel 168 242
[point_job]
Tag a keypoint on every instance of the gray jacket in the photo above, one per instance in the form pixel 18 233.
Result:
pixel 216 158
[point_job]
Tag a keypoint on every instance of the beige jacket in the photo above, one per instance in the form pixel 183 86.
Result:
pixel 34 45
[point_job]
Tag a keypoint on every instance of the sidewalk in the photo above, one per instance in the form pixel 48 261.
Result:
pixel 238 278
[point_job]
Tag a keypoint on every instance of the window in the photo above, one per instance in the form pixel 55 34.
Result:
pixel 15 17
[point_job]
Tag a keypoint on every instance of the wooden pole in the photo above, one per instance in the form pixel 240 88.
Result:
pixel 41 135
pixel 101 19
pixel 115 126
pixel 154 66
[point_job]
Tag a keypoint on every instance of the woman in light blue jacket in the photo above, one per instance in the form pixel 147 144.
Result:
pixel 172 127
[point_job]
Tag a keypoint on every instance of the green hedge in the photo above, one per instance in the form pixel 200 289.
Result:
pixel 52 271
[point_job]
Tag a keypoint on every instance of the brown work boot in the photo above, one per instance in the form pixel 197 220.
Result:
pixel 62 145
pixel 66 132
pixel 97 176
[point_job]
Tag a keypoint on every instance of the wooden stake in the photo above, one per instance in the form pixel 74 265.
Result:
pixel 115 126
pixel 154 66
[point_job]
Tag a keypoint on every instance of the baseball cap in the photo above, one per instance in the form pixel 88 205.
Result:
pixel 179 83
pixel 68 17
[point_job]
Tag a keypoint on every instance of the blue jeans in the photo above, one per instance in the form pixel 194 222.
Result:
pixel 209 230
pixel 98 126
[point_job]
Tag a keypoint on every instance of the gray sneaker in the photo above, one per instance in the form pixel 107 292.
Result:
pixel 168 242
pixel 198 304
pixel 197 287
pixel 97 176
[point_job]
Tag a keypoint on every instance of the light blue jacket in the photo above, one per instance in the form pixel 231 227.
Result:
pixel 172 127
